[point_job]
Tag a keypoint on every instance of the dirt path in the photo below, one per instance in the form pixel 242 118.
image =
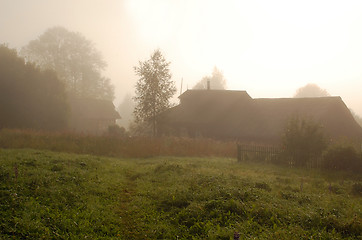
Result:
pixel 129 213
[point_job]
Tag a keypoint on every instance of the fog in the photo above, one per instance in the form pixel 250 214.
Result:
pixel 268 48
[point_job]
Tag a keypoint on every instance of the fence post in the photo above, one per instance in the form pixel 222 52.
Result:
pixel 239 152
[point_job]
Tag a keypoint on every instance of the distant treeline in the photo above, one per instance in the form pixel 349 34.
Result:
pixel 29 97
pixel 36 83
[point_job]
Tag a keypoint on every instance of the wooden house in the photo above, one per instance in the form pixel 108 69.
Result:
pixel 92 116
pixel 226 114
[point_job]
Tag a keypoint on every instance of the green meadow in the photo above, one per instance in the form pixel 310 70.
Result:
pixel 52 195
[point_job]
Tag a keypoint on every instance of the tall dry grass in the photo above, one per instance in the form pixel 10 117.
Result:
pixel 116 146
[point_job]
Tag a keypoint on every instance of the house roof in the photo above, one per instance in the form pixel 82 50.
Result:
pixel 206 106
pixel 235 114
pixel 93 108
pixel 207 95
pixel 331 112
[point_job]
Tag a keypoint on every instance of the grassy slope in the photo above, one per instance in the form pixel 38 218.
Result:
pixel 56 195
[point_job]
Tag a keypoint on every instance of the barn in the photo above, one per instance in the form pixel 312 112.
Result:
pixel 228 114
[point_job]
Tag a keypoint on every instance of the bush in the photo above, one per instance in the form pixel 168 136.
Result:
pixel 303 141
pixel 342 158
pixel 116 131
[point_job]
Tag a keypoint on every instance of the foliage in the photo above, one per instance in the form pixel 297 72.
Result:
pixel 116 131
pixel 139 129
pixel 303 141
pixel 311 90
pixel 217 81
pixel 153 89
pixel 126 109
pixel 29 98
pixel 343 158
pixel 46 195
pixel 74 59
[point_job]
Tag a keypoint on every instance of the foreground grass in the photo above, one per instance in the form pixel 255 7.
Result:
pixel 68 196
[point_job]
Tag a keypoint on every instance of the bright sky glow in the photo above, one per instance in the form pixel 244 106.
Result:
pixel 268 48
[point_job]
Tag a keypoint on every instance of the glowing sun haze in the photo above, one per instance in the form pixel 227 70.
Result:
pixel 268 48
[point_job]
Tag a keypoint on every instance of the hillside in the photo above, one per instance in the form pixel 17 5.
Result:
pixel 62 196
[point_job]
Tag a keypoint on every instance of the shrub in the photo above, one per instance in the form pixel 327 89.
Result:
pixel 303 141
pixel 342 158
pixel 116 131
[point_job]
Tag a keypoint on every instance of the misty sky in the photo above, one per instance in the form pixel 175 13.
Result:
pixel 268 48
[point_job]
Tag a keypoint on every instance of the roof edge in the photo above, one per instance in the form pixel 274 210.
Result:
pixel 211 90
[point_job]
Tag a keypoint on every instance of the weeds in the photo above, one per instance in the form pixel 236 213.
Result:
pixel 357 189
pixel 114 146
pixel 69 196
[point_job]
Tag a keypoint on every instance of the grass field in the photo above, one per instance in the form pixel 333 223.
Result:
pixel 69 196
pixel 129 147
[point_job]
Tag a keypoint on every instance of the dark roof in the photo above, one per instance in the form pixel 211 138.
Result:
pixel 235 114
pixel 206 106
pixel 93 108
pixel 207 95
pixel 331 112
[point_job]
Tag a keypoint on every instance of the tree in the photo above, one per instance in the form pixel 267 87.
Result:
pixel 29 98
pixel 74 59
pixel 356 117
pixel 311 90
pixel 217 81
pixel 126 109
pixel 303 141
pixel 154 89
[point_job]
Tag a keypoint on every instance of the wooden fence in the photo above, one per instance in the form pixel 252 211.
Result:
pixel 261 153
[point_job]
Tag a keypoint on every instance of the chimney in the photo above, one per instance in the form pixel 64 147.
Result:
pixel 208 84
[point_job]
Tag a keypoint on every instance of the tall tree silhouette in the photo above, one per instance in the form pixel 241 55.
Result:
pixel 74 59
pixel 29 98
pixel 154 89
